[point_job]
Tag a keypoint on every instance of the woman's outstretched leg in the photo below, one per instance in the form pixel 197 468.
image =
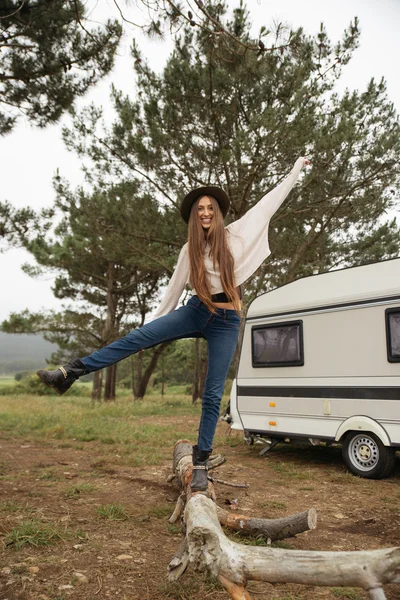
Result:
pixel 184 322
pixel 222 335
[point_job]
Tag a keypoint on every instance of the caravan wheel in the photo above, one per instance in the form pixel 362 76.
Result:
pixel 365 455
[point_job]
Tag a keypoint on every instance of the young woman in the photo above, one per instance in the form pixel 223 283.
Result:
pixel 215 261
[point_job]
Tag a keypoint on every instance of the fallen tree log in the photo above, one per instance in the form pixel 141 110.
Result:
pixel 207 548
pixel 271 529
pixel 210 550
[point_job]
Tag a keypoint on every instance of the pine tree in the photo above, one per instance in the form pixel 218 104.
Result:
pixel 19 225
pixel 221 115
pixel 49 57
pixel 113 278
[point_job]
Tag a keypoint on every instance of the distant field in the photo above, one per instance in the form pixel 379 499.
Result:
pixel 7 380
pixel 170 390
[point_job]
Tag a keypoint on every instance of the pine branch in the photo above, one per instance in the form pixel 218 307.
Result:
pixel 124 18
pixel 145 254
pixel 128 163
pixel 145 236
pixel 14 13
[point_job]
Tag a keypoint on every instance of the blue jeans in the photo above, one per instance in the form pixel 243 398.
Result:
pixel 220 329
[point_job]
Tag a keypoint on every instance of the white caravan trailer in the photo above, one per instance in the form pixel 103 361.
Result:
pixel 320 360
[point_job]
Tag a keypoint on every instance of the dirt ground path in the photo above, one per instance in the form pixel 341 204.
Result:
pixel 66 489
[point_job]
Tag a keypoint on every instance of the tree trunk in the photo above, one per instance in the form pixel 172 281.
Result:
pixel 110 332
pixel 272 529
pixel 132 361
pixel 142 383
pixel 162 377
pixel 207 548
pixel 197 370
pixel 203 374
pixel 97 386
pixel 109 326
pixel 138 374
pixel 111 380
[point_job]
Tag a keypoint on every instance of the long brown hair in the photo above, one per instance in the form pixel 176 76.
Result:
pixel 215 239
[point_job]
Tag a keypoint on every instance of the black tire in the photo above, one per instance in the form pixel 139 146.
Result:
pixel 366 456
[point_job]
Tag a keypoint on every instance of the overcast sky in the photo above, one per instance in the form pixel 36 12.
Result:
pixel 29 157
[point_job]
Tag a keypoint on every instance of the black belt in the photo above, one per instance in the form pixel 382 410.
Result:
pixel 222 297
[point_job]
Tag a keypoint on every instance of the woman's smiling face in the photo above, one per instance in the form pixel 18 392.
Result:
pixel 205 211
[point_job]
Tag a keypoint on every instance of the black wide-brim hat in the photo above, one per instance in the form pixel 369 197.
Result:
pixel 216 192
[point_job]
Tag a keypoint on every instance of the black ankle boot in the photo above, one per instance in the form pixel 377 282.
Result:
pixel 62 378
pixel 200 470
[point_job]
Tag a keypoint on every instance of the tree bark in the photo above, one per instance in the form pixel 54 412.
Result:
pixel 97 386
pixel 138 374
pixel 132 361
pixel 142 383
pixel 273 529
pixel 162 377
pixel 197 370
pixel 110 385
pixel 203 373
pixel 110 333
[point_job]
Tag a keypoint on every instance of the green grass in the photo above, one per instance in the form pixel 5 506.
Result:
pixel 185 589
pixel 258 540
pixel 48 475
pixel 10 506
pixel 114 512
pixel 174 529
pixel 130 431
pixel 272 505
pixel 291 471
pixel 239 538
pixel 34 494
pixel 32 533
pixel 75 491
pixel 283 544
pixel 161 511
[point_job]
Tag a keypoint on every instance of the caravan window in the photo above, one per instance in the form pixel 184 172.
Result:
pixel 278 345
pixel 393 334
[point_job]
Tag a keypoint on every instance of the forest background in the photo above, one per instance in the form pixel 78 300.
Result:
pixel 233 103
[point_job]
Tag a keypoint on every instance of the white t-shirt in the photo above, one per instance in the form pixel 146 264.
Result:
pixel 247 239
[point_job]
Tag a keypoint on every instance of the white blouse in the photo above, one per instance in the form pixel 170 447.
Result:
pixel 247 239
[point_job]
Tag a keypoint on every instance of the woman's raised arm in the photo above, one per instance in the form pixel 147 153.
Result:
pixel 261 213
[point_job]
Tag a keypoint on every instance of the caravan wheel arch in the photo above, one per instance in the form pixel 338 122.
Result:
pixel 365 424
